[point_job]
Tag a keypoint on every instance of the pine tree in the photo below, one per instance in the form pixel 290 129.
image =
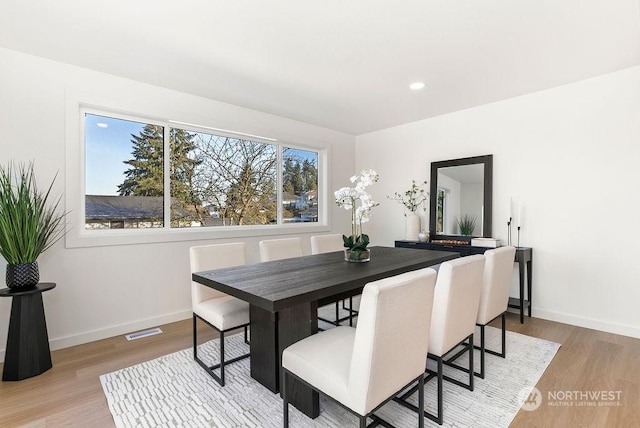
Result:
pixel 145 177
pixel 183 166
pixel 299 177
pixel 309 176
pixel 146 173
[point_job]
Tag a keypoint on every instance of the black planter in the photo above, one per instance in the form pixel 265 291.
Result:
pixel 23 276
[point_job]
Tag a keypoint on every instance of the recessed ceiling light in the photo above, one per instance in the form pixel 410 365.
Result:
pixel 416 86
pixel 102 125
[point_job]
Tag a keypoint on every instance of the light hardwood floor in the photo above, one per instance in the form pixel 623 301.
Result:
pixel 70 395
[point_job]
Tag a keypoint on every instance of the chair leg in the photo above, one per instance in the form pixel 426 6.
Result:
pixel 221 358
pixel 471 368
pixel 481 375
pixel 421 402
pixel 440 380
pixel 502 354
pixel 363 422
pixel 504 335
pixel 336 321
pixel 246 336
pixel 195 339
pixel 420 410
pixel 221 365
pixel 285 401
pixel 467 348
pixel 208 369
pixel 483 348
pixel 351 311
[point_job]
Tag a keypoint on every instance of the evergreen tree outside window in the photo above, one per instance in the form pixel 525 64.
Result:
pixel 300 185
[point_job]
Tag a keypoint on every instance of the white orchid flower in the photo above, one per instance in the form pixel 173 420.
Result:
pixel 348 197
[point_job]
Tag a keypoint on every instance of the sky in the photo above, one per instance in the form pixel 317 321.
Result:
pixel 108 145
pixel 106 148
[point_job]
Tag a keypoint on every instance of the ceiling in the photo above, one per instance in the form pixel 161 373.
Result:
pixel 344 65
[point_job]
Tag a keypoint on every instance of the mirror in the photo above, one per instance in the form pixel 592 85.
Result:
pixel 460 198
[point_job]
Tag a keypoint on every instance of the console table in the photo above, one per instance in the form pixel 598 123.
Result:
pixel 27 353
pixel 524 258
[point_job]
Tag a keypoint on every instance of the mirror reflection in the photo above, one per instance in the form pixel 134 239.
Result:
pixel 460 209
pixel 460 198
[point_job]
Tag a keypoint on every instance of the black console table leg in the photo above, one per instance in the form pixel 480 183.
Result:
pixel 521 267
pixel 529 275
pixel 27 353
pixel 524 260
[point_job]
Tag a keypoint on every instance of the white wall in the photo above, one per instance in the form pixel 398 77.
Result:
pixel 452 202
pixel 105 291
pixel 571 156
pixel 471 203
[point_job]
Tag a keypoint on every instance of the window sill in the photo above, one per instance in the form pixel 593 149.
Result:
pixel 113 237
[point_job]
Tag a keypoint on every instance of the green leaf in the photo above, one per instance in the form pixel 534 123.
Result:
pixel 29 220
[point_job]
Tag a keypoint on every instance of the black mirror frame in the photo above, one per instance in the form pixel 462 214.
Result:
pixel 487 160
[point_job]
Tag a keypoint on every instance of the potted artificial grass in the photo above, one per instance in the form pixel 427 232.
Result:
pixel 29 223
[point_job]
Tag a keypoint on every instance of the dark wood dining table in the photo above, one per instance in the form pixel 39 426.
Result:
pixel 284 296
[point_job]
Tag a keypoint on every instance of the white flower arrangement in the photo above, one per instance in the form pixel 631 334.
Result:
pixel 348 197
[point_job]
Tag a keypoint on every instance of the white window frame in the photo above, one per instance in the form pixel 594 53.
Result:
pixel 78 236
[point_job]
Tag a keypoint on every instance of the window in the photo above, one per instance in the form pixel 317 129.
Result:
pixel 440 210
pixel 222 181
pixel 145 174
pixel 300 185
pixel 124 173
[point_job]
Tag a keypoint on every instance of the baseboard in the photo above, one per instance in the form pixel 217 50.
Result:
pixel 609 327
pixel 92 336
pixel 104 333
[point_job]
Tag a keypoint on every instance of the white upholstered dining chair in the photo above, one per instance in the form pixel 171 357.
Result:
pixel 217 309
pixel 453 321
pixel 364 367
pixel 278 249
pixel 494 299
pixel 326 244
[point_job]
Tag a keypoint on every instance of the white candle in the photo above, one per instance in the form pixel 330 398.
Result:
pixel 520 215
pixel 509 210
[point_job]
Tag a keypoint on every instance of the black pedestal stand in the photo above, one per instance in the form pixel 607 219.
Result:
pixel 27 353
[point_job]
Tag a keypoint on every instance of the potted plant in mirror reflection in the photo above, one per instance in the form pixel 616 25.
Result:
pixel 412 199
pixel 466 225
pixel 359 202
pixel 29 223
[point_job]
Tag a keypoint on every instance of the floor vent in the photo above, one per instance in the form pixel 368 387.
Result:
pixel 143 333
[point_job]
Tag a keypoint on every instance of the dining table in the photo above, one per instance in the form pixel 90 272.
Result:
pixel 284 296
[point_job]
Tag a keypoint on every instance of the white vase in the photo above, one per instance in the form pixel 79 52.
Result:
pixel 411 227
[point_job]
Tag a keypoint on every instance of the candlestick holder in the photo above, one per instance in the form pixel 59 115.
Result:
pixel 509 231
pixel 518 246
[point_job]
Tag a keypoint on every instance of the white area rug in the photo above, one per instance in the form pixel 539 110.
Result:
pixel 174 391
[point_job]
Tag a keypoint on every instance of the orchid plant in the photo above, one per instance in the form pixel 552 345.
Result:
pixel 347 198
